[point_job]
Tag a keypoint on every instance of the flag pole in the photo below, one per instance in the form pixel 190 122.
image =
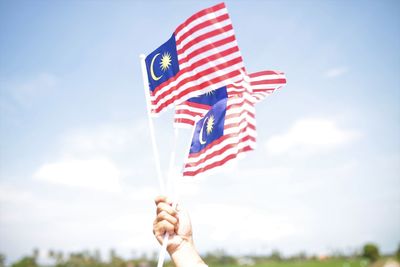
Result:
pixel 173 181
pixel 171 187
pixel 151 124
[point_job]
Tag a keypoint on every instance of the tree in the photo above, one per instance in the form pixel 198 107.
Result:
pixel 26 262
pixel 371 252
pixel 2 260
pixel 276 255
pixel 398 253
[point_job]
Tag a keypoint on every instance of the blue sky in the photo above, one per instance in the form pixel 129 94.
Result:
pixel 76 169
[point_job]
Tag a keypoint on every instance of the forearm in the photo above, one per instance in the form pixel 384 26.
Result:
pixel 187 256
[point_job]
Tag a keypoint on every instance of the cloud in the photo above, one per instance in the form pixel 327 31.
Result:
pixel 11 195
pixel 336 72
pixel 24 93
pixel 249 224
pixel 100 174
pixel 310 135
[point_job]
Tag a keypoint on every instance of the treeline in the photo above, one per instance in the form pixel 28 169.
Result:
pixel 370 252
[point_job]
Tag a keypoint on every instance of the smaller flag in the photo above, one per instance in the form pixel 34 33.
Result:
pixel 219 137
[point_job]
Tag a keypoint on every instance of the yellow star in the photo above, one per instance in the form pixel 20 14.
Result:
pixel 210 124
pixel 165 61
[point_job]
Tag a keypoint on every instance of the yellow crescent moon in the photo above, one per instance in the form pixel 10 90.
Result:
pixel 151 68
pixel 202 142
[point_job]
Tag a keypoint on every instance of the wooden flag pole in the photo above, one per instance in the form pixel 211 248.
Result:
pixel 151 124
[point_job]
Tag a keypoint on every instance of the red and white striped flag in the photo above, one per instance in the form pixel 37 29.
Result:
pixel 201 55
pixel 220 136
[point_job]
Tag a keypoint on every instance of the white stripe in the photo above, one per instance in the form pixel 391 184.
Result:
pixel 182 125
pixel 212 27
pixel 184 116
pixel 267 77
pixel 266 86
pixel 200 20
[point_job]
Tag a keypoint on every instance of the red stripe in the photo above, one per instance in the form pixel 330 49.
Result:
pixel 273 81
pixel 200 86
pixel 202 25
pixel 252 115
pixel 266 90
pixel 206 48
pixel 265 72
pixel 185 121
pixel 203 37
pixel 199 15
pixel 188 112
pixel 251 126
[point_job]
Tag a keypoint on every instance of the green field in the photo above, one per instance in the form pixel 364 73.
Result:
pixel 307 263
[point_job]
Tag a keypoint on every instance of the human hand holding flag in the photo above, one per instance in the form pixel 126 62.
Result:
pixel 176 223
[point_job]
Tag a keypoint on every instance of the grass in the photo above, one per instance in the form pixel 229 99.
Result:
pixel 307 263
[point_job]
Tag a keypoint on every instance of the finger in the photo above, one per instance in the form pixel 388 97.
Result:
pixel 163 227
pixel 163 215
pixel 165 199
pixel 162 206
pixel 159 199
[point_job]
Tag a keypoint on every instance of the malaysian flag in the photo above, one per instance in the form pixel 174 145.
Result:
pixel 201 55
pixel 219 137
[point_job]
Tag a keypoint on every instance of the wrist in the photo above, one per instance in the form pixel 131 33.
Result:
pixel 186 255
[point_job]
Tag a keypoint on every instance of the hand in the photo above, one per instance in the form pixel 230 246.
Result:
pixel 176 223
pixel 168 221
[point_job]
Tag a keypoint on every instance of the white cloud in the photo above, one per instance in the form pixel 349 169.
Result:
pixel 244 223
pixel 9 194
pixel 336 72
pixel 25 92
pixel 310 135
pixel 100 174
